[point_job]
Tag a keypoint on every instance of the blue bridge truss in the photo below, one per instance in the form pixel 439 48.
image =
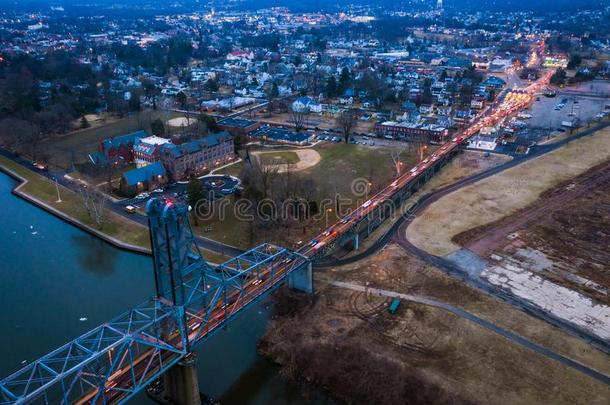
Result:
pixel 120 358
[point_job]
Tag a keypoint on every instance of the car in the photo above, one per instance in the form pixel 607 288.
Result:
pixel 366 138
pixel 131 209
pixel 313 242
pixel 366 204
pixel 157 190
pixel 371 143
pixel 142 196
pixel 41 166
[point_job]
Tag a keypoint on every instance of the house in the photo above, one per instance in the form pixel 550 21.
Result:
pixel 148 150
pixel 120 148
pixel 484 142
pixel 198 156
pixel 144 178
pixel 306 104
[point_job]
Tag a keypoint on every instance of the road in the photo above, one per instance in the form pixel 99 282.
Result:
pixel 398 231
pixel 509 105
pixel 118 207
pixel 520 340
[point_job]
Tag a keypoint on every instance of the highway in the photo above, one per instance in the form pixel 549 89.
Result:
pixel 512 102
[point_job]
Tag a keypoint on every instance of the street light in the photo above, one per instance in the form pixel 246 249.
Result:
pixel 328 211
pixel 57 189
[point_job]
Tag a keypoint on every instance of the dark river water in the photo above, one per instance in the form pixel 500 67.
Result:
pixel 52 275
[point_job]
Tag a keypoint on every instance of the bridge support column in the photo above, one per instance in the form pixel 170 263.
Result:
pixel 302 279
pixel 356 242
pixel 181 386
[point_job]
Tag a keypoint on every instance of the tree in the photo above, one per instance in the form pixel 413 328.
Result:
pixel 211 85
pixel 346 121
pixel 209 122
pixel 84 123
pixel 181 98
pixel 396 162
pixel 94 202
pixel 157 127
pixel 331 86
pixel 195 196
pixel 297 118
pixel 273 92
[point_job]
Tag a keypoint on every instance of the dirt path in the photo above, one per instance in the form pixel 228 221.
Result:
pixel 485 239
pixel 307 158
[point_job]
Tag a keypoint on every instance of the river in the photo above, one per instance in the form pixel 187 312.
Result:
pixel 57 282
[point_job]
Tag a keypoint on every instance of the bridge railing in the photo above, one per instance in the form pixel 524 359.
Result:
pixel 120 358
pixel 89 364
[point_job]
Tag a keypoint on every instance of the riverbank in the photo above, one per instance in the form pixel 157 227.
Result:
pixel 42 192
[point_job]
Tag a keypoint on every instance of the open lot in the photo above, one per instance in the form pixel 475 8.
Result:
pixel 378 355
pixel 504 194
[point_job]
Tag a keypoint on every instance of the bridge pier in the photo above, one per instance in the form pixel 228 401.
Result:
pixel 356 241
pixel 302 279
pixel 181 386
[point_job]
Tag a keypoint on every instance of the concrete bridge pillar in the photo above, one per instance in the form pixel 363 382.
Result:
pixel 181 386
pixel 302 279
pixel 356 242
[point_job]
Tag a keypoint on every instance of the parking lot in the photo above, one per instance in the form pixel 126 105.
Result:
pixel 582 102
pixel 216 186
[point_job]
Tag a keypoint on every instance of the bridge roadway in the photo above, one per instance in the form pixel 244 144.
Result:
pixel 512 102
pixel 198 330
pixel 254 287
pixel 123 380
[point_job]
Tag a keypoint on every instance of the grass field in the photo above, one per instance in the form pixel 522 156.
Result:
pixel 505 193
pixel 43 189
pixel 276 158
pixel 341 164
pixel 77 144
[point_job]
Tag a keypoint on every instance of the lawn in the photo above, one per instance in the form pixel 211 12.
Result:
pixel 341 165
pixel 45 190
pixel 62 150
pixel 277 158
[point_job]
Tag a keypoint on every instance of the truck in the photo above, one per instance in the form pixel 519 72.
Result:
pixel 573 123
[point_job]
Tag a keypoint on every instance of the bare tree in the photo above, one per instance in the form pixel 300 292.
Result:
pixel 346 121
pixel 94 203
pixel 297 118
pixel 396 162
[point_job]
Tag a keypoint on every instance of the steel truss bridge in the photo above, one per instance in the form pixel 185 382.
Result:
pixel 118 359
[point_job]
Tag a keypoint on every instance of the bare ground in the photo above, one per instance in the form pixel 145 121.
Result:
pixel 562 236
pixel 504 194
pixel 348 343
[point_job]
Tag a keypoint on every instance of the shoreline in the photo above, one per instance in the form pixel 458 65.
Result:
pixel 67 218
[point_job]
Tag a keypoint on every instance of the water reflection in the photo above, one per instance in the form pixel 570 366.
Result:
pixel 93 254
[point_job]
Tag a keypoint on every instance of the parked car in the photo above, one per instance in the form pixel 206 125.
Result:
pixel 131 209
